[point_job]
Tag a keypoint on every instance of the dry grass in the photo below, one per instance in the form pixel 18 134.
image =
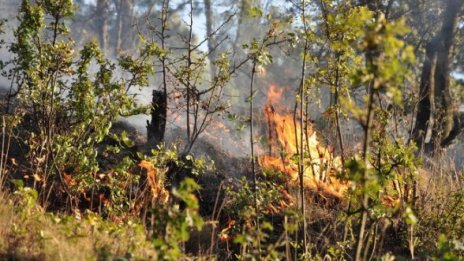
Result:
pixel 31 234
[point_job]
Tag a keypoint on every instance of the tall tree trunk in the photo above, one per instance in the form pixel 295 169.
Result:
pixel 117 45
pixel 435 85
pixel 241 19
pixel 211 38
pixel 425 109
pixel 443 133
pixel 102 23
pixel 124 25
pixel 245 25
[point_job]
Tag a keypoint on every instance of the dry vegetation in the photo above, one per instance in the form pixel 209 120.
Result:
pixel 29 233
pixel 321 132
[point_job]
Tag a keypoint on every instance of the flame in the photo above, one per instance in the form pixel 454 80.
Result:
pixel 158 192
pixel 320 164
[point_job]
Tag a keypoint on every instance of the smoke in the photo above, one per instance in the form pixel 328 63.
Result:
pixel 8 13
pixel 228 130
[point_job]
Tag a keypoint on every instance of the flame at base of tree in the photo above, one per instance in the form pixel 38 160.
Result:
pixel 320 164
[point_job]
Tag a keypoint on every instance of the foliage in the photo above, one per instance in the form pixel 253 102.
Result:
pixel 274 203
pixel 383 159
pixel 61 153
pixel 449 250
pixel 69 99
pixel 173 223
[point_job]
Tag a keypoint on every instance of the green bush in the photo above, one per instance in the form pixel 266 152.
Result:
pixel 67 100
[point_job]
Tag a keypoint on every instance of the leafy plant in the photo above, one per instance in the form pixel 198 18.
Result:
pixel 275 204
pixel 69 99
pixel 173 223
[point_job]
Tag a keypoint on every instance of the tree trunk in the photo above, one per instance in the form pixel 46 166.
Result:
pixel 446 113
pixel 245 25
pixel 424 110
pixel 102 23
pixel 211 37
pixel 124 25
pixel 435 94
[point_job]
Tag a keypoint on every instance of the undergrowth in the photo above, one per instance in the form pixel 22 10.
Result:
pixel 27 232
pixel 74 189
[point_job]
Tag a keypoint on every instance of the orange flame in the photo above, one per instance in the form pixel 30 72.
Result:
pixel 320 165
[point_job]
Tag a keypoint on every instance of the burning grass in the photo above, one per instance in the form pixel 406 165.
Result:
pixel 320 165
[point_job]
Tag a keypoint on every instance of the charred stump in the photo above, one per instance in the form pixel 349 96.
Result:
pixel 157 126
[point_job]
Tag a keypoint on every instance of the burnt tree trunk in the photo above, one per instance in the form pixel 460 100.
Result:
pixel 157 126
pixel 436 103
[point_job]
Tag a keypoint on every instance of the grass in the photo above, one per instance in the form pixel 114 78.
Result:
pixel 29 233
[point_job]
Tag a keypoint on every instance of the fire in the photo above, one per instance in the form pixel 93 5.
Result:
pixel 320 164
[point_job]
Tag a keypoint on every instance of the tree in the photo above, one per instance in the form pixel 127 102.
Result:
pixel 124 25
pixel 211 36
pixel 435 107
pixel 102 13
